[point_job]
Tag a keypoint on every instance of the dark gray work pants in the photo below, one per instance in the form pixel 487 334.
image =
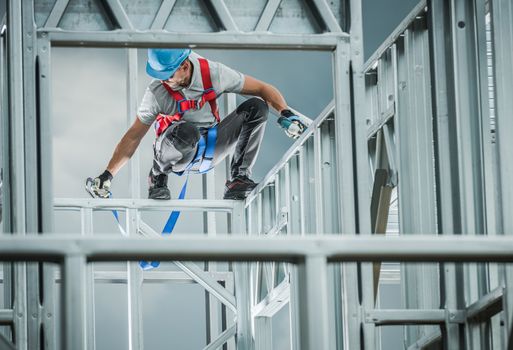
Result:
pixel 240 134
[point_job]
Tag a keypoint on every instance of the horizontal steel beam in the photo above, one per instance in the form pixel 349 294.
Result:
pixel 226 40
pixel 336 248
pixel 156 276
pixel 152 276
pixel 145 204
pixel 486 307
pixel 6 316
pixel 408 317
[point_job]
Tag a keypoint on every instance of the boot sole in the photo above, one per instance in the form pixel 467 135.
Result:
pixel 162 198
pixel 160 195
pixel 237 195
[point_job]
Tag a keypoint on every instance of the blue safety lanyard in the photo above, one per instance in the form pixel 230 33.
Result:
pixel 201 164
pixel 116 216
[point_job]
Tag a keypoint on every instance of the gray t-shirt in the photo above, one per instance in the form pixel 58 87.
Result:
pixel 156 99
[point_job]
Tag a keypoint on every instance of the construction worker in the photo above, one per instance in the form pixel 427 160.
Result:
pixel 181 100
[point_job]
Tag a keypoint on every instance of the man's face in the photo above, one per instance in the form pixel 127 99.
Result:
pixel 181 77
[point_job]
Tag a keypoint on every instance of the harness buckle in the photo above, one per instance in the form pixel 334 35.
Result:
pixel 184 105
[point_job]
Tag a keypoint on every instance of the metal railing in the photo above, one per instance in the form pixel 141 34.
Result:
pixel 132 225
pixel 310 254
pixel 294 198
pixel 426 134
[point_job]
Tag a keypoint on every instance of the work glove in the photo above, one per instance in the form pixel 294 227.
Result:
pixel 293 125
pixel 99 186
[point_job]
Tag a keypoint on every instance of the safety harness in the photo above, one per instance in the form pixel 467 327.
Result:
pixel 202 162
pixel 183 105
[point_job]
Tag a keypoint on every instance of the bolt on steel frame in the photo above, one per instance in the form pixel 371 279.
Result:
pixel 418 120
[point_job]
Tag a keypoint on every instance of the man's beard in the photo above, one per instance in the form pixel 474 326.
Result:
pixel 177 85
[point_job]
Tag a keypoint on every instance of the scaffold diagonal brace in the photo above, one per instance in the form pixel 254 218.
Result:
pixel 197 274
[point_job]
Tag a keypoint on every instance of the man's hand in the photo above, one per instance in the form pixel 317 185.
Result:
pixel 100 186
pixel 294 125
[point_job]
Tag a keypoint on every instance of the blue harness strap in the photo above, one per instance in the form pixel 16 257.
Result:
pixel 203 162
pixel 208 157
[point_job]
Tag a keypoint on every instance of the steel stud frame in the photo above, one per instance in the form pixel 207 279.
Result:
pixel 433 69
pixel 415 117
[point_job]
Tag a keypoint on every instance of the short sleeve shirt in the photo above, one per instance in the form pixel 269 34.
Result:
pixel 156 99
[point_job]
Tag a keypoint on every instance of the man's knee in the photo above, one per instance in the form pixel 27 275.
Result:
pixel 178 142
pixel 255 108
pixel 184 135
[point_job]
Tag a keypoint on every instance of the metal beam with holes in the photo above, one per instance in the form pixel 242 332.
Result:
pixel 391 317
pixel 145 39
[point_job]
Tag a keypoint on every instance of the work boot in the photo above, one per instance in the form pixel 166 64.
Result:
pixel 239 187
pixel 157 187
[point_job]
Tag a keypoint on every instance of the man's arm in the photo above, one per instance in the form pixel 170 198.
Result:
pixel 267 92
pixel 127 146
pixel 293 125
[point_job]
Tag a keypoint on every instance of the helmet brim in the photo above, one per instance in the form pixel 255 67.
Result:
pixel 160 75
pixel 167 73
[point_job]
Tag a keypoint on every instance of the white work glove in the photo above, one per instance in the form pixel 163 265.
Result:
pixel 99 187
pixel 293 124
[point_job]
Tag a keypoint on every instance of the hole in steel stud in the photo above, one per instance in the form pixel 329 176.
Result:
pixel 461 24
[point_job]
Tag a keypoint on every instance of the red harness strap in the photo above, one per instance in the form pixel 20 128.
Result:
pixel 209 94
pixel 183 105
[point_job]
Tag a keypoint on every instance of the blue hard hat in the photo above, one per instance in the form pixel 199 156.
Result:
pixel 163 63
